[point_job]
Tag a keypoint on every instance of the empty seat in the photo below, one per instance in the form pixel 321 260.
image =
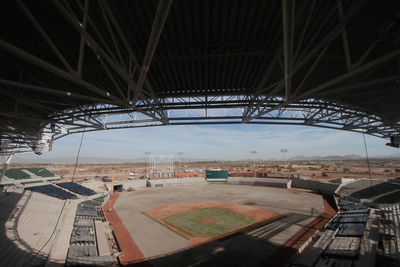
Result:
pixel 77 188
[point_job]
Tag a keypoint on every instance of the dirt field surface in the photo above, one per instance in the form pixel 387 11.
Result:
pixel 258 215
pixel 162 247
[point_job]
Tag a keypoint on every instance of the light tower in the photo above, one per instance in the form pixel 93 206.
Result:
pixel 254 152
pixel 148 163
pixel 283 151
pixel 180 159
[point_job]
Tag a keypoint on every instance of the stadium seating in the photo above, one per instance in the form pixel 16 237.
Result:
pixel 315 186
pixel 77 188
pixel 375 190
pixel 42 172
pixel 53 191
pixel 87 210
pixel 17 174
pixel 391 198
pixel 389 232
pixel 89 244
pixel 360 184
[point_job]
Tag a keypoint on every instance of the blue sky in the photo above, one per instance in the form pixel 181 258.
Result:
pixel 229 142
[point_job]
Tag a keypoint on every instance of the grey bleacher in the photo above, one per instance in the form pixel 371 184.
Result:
pixel 352 211
pixel 340 242
pixel 89 239
pixel 360 184
pixel 344 247
pixel 351 218
pixel 389 232
pixel 83 222
pixel 82 235
pixel 86 210
pixel 350 206
pixel 330 262
pixel 377 190
pixel 75 251
pixel 106 261
pixel 351 229
pixel 326 238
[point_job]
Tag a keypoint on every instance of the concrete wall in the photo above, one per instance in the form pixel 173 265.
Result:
pixel 175 182
pixel 132 183
pixel 282 183
pixel 315 186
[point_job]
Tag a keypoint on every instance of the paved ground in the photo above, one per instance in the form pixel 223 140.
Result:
pixel 162 245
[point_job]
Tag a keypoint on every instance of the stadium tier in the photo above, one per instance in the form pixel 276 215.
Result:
pixel 17 174
pixel 42 172
pixel 53 191
pixel 77 188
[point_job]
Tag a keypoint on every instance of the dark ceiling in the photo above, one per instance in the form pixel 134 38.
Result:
pixel 346 52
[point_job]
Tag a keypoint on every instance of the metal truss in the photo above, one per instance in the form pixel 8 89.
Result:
pixel 126 97
pixel 202 111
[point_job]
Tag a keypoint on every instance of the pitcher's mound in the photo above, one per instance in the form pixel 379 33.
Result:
pixel 208 220
pixel 205 221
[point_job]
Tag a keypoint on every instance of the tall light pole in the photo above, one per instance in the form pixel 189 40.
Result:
pixel 254 152
pixel 148 163
pixel 283 151
pixel 180 159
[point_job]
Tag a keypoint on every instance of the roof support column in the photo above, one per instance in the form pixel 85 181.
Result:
pixel 83 41
pixel 156 30
pixel 288 33
pixel 344 36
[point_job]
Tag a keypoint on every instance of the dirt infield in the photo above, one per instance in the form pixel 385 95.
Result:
pixel 258 215
pixel 162 246
pixel 255 213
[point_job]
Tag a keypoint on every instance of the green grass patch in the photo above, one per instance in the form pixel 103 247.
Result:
pixel 225 221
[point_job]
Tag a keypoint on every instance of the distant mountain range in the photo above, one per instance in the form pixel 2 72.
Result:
pixel 330 157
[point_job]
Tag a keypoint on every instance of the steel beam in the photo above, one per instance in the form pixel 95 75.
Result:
pixel 156 30
pixel 352 73
pixel 344 36
pixel 83 41
pixel 45 36
pixel 54 91
pixel 288 8
pixel 55 70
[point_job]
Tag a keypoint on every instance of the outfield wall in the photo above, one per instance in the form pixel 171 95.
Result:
pixel 175 182
pixel 281 183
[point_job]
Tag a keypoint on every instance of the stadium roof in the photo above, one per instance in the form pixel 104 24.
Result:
pixel 72 66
